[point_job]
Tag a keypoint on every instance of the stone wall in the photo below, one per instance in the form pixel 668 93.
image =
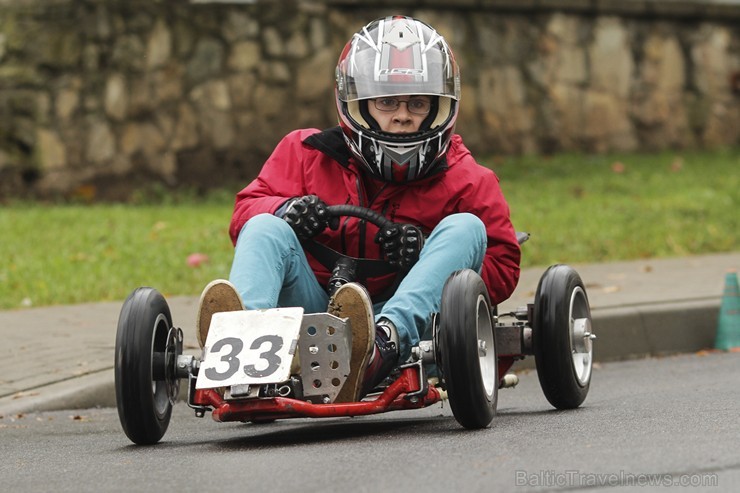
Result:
pixel 107 96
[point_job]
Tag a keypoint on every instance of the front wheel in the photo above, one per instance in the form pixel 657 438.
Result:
pixel 147 347
pixel 562 337
pixel 468 352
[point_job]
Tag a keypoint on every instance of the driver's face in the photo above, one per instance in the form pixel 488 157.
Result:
pixel 400 120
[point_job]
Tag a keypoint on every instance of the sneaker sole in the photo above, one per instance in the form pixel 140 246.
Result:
pixel 349 303
pixel 218 296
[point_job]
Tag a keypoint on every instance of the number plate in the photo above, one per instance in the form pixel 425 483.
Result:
pixel 249 347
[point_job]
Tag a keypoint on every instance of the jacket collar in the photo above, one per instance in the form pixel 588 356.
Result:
pixel 330 142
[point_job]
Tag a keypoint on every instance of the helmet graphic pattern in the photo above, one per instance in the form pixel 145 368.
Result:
pixel 391 57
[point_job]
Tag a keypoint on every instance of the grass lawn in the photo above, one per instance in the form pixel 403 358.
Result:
pixel 601 208
pixel 577 208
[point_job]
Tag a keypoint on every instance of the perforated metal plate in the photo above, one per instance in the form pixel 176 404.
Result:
pixel 324 348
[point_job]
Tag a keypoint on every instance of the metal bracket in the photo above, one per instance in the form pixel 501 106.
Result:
pixel 199 410
pixel 423 382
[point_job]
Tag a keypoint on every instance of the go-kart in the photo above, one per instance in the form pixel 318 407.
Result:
pixel 247 371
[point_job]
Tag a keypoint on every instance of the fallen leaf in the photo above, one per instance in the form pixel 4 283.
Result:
pixel 618 167
pixel 79 417
pixel 20 395
pixel 611 289
pixel 197 259
pixel 677 164
pixel 646 268
pixel 708 352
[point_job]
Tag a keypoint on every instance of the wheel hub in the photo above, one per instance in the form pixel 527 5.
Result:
pixel 581 336
pixel 172 350
pixel 486 358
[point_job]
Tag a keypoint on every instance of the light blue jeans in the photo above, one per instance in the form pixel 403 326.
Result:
pixel 270 270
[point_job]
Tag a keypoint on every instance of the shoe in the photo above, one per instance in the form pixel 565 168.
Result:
pixel 218 296
pixel 352 301
pixel 383 360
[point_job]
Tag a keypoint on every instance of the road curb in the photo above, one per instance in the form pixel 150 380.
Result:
pixel 92 390
pixel 640 331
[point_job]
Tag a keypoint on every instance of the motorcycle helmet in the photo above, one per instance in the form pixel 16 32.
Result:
pixel 397 56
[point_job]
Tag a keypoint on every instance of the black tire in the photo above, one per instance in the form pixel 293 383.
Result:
pixel 144 393
pixel 470 374
pixel 561 337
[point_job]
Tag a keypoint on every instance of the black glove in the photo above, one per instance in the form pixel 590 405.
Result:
pixel 401 244
pixel 308 216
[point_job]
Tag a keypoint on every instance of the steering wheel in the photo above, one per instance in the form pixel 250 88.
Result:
pixel 344 268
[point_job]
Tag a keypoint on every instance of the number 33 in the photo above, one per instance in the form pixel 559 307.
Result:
pixel 236 345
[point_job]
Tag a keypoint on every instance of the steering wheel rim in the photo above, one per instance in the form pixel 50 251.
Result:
pixel 359 212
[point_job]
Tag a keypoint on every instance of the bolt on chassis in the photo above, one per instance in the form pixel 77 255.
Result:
pixel 249 370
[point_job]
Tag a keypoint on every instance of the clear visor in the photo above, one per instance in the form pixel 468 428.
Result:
pixel 370 72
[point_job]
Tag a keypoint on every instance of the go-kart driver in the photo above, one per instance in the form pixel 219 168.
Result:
pixel 395 152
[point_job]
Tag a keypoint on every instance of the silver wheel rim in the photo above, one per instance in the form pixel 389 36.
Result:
pixel 486 347
pixel 581 336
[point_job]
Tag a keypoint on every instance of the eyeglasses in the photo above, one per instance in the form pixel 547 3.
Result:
pixel 415 105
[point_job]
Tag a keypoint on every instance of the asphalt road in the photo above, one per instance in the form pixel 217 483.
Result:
pixel 650 423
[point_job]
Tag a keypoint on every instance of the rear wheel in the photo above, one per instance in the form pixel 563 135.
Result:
pixel 147 347
pixel 468 349
pixel 562 337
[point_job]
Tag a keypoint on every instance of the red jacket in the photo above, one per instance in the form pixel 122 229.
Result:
pixel 309 162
